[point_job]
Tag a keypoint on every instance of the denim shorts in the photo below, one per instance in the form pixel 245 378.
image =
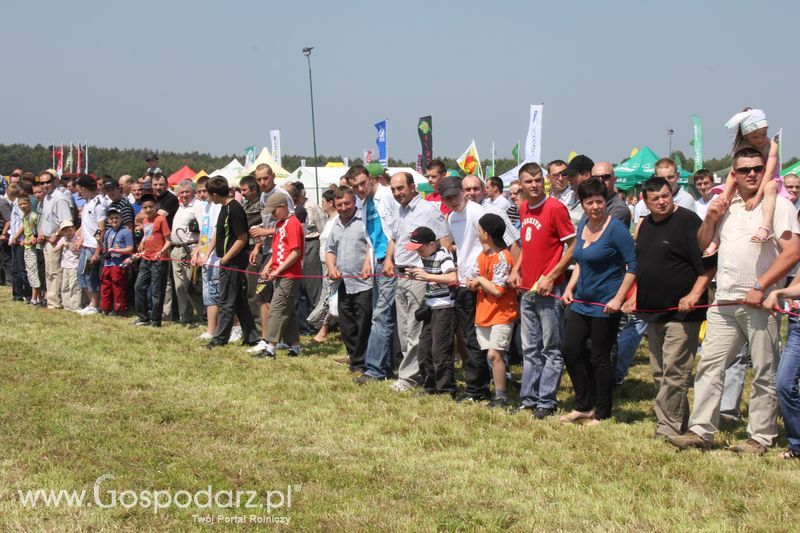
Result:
pixel 90 280
pixel 210 285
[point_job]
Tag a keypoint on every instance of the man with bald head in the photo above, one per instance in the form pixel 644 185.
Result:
pixel 615 206
pixel 413 213
pixel 475 190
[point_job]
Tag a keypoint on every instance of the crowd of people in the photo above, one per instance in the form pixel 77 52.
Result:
pixel 557 267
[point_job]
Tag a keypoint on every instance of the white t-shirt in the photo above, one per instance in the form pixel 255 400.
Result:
pixel 464 229
pixel 701 206
pixel 501 202
pixel 208 225
pixel 94 212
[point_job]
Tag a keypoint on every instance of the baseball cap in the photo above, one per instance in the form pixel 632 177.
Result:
pixel 151 157
pixel 85 180
pixel 421 235
pixel 495 227
pixel 579 163
pixel 110 183
pixel 276 199
pixel 449 186
pixel 375 170
pixel 66 224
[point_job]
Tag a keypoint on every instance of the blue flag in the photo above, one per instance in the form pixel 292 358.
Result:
pixel 381 142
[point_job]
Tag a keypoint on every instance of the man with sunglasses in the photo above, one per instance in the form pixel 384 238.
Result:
pixel 747 273
pixel 55 209
pixel 615 206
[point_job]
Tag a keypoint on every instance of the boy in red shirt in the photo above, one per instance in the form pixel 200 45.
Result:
pixel 284 269
pixel 496 308
pixel 152 270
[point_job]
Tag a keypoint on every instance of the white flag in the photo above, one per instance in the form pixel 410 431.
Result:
pixel 533 144
pixel 275 141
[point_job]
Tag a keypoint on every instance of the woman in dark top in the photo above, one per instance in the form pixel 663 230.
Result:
pixel 604 273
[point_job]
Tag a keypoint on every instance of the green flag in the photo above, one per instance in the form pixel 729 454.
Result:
pixel 515 151
pixel 697 143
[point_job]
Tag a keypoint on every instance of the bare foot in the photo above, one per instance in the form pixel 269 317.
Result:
pixel 577 417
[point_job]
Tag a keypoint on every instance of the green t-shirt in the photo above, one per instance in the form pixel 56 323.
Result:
pixel 29 223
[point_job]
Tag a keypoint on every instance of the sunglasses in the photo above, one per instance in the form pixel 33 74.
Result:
pixel 46 182
pixel 744 171
pixel 15 175
pixel 604 176
pixel 557 175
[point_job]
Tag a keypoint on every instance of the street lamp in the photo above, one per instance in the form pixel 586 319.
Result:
pixel 307 53
pixel 670 133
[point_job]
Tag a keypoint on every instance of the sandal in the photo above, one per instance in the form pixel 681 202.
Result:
pixel 757 237
pixel 789 454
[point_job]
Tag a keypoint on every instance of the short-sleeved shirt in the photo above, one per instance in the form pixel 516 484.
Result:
pixel 29 223
pixel 669 262
pixel 741 262
pixel 377 237
pixel 438 295
pixel 603 265
pixel 168 202
pixel 93 212
pixel 491 310
pixel 69 259
pixel 231 222
pixel 544 229
pixel 208 224
pixel 121 238
pixel 55 210
pixel 181 223
pixel 417 213
pixel 125 210
pixel 288 236
pixel 436 199
pixel 349 243
pixel 154 234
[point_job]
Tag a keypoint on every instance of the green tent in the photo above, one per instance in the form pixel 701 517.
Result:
pixel 639 168
pixel 791 169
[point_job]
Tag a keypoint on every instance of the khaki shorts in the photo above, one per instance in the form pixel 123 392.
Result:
pixel 497 337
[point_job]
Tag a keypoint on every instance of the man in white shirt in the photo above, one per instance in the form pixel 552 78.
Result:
pixel 185 235
pixel 494 194
pixel 93 224
pixel 704 183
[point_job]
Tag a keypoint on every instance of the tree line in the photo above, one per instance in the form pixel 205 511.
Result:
pixel 119 161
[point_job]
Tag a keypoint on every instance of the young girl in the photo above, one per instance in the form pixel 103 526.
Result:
pixel 27 232
pixel 751 132
pixel 71 292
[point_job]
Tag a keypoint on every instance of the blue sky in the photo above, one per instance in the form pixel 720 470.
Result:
pixel 217 76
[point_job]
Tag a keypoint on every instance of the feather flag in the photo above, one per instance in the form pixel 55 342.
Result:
pixel 634 152
pixel 78 157
pixel 515 152
pixel 572 153
pixel 60 160
pixel 469 161
pixel 86 157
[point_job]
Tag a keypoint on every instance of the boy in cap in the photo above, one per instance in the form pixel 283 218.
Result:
pixel 117 247
pixel 284 269
pixel 496 309
pixel 435 355
pixel 69 247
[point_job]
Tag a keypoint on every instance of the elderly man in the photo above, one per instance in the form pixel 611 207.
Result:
pixel 748 273
pixel 350 268
pixel 671 276
pixel 379 210
pixel 548 238
pixel 185 235
pixel 412 213
pixel 462 223
pixel 54 210
pixel 125 182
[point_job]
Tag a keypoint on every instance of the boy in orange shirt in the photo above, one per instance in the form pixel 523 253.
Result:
pixel 496 308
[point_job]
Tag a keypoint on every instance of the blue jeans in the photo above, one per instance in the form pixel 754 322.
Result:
pixel 378 358
pixel 628 340
pixel 788 387
pixel 542 364
pixel 91 280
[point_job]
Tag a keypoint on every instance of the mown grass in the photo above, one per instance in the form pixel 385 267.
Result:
pixel 84 397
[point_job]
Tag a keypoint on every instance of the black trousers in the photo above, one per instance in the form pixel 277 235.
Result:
pixel 20 288
pixel 233 300
pixel 6 278
pixel 476 369
pixel 590 371
pixel 435 353
pixel 355 319
pixel 152 275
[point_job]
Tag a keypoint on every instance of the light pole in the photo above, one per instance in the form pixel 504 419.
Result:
pixel 670 133
pixel 307 53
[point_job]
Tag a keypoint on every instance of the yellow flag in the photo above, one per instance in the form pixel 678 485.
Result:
pixel 572 154
pixel 469 161
pixel 634 152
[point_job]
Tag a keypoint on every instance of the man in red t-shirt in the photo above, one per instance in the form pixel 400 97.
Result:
pixel 284 269
pixel 435 172
pixel 547 236
pixel 153 269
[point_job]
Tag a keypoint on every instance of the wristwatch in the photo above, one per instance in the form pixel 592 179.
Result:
pixel 757 286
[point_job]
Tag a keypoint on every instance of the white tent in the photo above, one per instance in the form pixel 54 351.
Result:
pixel 263 157
pixel 330 176
pixel 229 171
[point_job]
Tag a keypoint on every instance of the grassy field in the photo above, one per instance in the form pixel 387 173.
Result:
pixel 86 397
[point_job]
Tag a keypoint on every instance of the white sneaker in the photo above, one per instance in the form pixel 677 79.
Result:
pixel 206 336
pixel 236 334
pixel 260 347
pixel 401 386
pixel 88 310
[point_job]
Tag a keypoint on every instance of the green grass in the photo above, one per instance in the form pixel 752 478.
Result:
pixel 83 397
